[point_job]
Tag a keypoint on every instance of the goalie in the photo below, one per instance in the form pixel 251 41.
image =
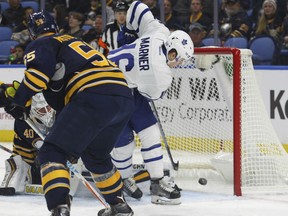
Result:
pixel 22 166
pixel 147 64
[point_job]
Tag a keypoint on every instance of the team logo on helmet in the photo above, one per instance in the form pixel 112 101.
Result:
pixel 184 42
pixel 41 22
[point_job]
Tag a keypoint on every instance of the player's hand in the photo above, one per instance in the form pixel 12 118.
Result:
pixel 18 112
pixel 11 90
pixel 126 36
pixel 174 64
pixel 3 87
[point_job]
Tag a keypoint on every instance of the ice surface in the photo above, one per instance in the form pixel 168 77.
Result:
pixel 193 203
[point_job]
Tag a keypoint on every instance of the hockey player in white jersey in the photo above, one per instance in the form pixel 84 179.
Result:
pixel 146 64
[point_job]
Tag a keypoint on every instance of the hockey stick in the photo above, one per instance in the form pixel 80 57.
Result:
pixel 175 165
pixel 5 149
pixel 73 169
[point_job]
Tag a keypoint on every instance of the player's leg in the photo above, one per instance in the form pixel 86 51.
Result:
pixel 55 178
pixel 64 142
pixel 97 157
pixel 145 125
pixel 122 158
pixel 88 115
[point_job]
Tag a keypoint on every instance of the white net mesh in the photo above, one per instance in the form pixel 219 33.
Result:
pixel 197 117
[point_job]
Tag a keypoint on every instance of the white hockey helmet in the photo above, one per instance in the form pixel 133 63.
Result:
pixel 41 113
pixel 182 43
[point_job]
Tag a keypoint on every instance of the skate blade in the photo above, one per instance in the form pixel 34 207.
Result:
pixel 7 191
pixel 125 214
pixel 165 201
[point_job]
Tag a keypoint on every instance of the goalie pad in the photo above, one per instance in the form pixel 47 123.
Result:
pixel 74 181
pixel 223 162
pixel 18 173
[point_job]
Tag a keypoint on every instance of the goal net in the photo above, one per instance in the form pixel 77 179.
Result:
pixel 214 119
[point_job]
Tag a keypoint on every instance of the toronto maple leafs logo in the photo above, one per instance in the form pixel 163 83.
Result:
pixel 184 42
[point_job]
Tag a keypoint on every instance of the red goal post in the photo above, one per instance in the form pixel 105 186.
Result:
pixel 236 56
pixel 214 119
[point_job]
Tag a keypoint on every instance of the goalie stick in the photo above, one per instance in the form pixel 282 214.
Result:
pixel 7 191
pixel 5 149
pixel 73 169
pixel 174 165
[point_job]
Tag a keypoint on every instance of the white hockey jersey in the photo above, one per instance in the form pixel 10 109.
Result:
pixel 144 62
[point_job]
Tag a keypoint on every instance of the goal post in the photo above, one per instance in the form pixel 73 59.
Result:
pixel 214 118
pixel 236 73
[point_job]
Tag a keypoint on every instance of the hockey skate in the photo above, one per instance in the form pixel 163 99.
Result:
pixel 119 209
pixel 61 210
pixel 163 193
pixel 131 189
pixel 64 209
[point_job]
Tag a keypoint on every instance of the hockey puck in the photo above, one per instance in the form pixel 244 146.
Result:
pixel 202 181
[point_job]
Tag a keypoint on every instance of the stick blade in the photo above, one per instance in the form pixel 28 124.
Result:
pixel 7 191
pixel 175 166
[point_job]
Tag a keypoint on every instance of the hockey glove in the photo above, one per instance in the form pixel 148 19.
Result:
pixel 18 112
pixel 2 94
pixel 126 36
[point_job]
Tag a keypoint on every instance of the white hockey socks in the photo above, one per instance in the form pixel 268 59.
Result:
pixel 151 150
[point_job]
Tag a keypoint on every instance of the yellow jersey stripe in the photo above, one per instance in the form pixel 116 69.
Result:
pixel 110 181
pixel 39 73
pixel 55 174
pixel 80 84
pixel 142 176
pixel 55 186
pixel 85 72
pixel 30 86
pixel 18 147
pixel 112 191
pixel 26 154
pixel 72 91
pixel 36 80
pixel 103 82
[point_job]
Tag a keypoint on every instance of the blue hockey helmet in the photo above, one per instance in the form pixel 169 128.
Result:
pixel 41 22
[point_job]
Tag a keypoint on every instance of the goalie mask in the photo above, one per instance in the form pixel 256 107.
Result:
pixel 181 42
pixel 41 113
pixel 41 22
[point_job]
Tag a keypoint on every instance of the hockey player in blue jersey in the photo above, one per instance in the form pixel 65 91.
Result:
pixel 147 64
pixel 94 104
